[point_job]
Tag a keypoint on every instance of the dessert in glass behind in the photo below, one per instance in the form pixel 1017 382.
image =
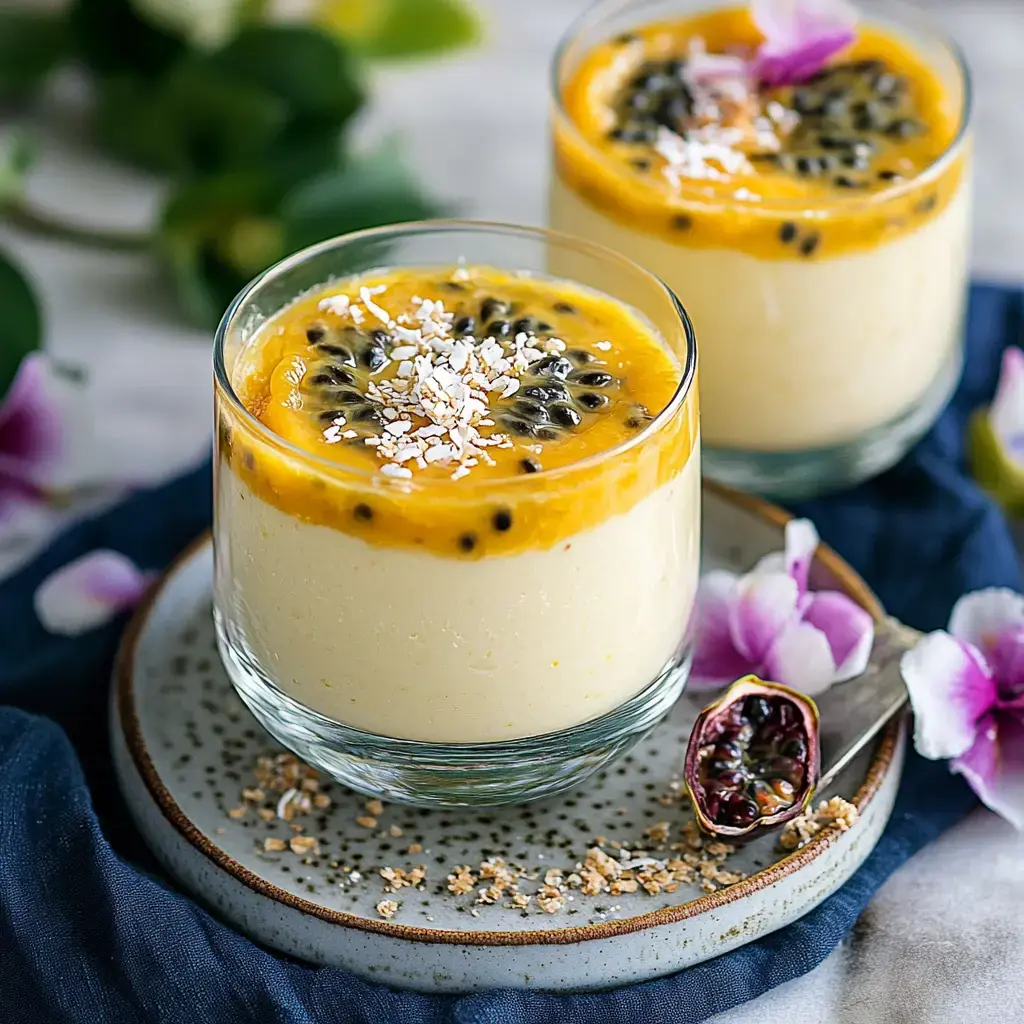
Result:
pixel 818 232
pixel 457 510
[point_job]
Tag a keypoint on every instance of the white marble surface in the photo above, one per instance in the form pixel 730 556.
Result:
pixel 944 939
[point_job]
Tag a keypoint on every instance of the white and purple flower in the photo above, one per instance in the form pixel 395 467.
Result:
pixel 31 438
pixel 799 37
pixel 767 623
pixel 967 690
pixel 89 592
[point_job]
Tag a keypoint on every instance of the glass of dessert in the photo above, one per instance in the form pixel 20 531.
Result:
pixel 457 508
pixel 801 179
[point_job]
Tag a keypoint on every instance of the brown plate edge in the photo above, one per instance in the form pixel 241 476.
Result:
pixel 845 576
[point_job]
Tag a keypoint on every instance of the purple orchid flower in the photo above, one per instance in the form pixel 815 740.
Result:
pixel 89 591
pixel 1006 413
pixel 769 624
pixel 799 37
pixel 31 438
pixel 967 690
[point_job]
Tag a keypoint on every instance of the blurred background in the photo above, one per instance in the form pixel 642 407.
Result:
pixel 470 126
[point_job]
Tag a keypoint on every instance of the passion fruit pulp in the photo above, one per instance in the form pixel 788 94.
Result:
pixel 753 759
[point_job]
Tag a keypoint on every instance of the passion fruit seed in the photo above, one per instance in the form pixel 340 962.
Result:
pixel 752 760
pixel 363 512
pixel 530 466
pixel 502 520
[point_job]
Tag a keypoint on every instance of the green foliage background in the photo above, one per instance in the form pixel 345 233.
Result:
pixel 252 136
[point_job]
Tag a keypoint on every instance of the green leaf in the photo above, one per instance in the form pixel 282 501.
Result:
pixel 131 122
pixel 368 192
pixel 16 158
pixel 111 39
pixel 413 28
pixel 305 67
pixel 21 326
pixel 31 45
pixel 216 233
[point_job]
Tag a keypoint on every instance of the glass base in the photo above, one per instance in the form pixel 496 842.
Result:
pixel 451 774
pixel 792 475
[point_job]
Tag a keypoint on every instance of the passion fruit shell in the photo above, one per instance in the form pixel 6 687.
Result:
pixel 753 759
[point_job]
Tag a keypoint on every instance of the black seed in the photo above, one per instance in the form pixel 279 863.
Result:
pixel 529 466
pixel 626 38
pixel 527 325
pixel 532 410
pixel 807 166
pixel 517 426
pixel 368 412
pixel 374 357
pixel 579 355
pixel 806 102
pixel 330 415
pixel 467 541
pixel 502 520
pixel 546 392
pixel 756 709
pixel 565 307
pixel 546 433
pixel 593 379
pixel 672 111
pixel 543 327
pixel 681 222
pixel 842 181
pixel 333 375
pixel 347 398
pixel 552 366
pixel 765 158
pixel 632 132
pixel 491 308
pixel 889 175
pixel 903 128
pixel 834 104
pixel 340 352
pixel 363 511
pixel 566 415
pixel 498 329
pixel 592 400
pixel 787 232
pixel 865 67
pixel 379 337
pixel 638 418
pixel 641 165
pixel 856 161
pixel 464 325
pixel 809 244
pixel 315 334
pixel 836 142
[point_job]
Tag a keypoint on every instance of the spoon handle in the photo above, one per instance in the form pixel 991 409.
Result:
pixel 858 710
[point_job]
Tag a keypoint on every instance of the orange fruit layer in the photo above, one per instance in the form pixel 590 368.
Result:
pixel 707 214
pixel 498 508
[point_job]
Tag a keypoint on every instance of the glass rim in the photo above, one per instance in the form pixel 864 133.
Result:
pixel 839 202
pixel 228 321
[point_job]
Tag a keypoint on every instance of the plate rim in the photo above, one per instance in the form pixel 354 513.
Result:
pixel 128 723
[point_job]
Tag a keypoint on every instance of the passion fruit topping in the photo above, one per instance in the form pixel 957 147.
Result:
pixel 753 759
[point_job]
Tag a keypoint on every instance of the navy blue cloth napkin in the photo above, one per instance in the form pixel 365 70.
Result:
pixel 90 931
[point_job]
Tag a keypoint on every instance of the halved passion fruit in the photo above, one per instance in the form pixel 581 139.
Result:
pixel 753 759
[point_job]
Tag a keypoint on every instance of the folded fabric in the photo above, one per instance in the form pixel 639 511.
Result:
pixel 91 931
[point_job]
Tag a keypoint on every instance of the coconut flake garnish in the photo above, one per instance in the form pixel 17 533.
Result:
pixel 439 399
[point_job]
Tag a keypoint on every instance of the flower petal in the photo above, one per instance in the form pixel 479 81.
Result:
pixel 994 766
pixel 88 592
pixel 31 438
pixel 767 603
pixel 1006 658
pixel 981 617
pixel 951 689
pixel 801 543
pixel 800 36
pixel 716 662
pixel 849 629
pixel 1006 413
pixel 802 658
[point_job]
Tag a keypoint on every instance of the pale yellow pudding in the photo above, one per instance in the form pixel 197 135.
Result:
pixel 448 508
pixel 817 234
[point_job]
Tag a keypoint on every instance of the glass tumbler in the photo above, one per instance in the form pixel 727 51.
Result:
pixel 368 636
pixel 830 326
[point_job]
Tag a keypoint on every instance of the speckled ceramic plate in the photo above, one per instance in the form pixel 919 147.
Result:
pixel 185 748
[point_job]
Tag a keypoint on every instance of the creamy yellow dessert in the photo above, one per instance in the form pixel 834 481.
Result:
pixel 458 504
pixel 817 232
